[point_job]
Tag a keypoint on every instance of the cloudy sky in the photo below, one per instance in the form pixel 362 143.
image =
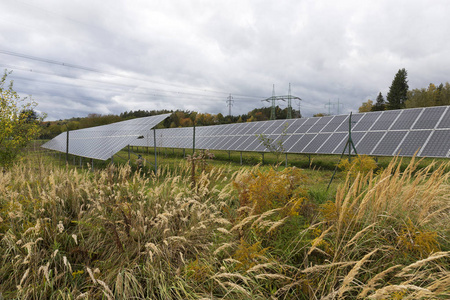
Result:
pixel 96 56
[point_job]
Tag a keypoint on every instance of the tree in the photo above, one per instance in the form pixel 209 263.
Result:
pixel 17 126
pixel 432 96
pixel 380 105
pixel 398 91
pixel 366 106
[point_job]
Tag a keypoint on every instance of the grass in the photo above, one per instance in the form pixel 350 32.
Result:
pixel 249 232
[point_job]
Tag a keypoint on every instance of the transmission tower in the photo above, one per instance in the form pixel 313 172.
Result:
pixel 289 107
pixel 230 102
pixel 283 98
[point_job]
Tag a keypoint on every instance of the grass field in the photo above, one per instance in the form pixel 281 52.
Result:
pixel 223 231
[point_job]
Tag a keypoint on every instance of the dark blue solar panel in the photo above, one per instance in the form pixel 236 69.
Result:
pixel 301 143
pixel 354 121
pixel 283 126
pixel 234 129
pixel 307 125
pixel 295 125
pixel 240 144
pixel 316 143
pixel 291 140
pixel 385 120
pixel 367 121
pixel 321 123
pixel 368 142
pixel 335 123
pixel 438 145
pixel 429 118
pixel 406 119
pixel 255 128
pixel 215 140
pixel 272 127
pixel 389 143
pixel 243 127
pixel 224 143
pixel 332 142
pixel 413 141
pixel 445 121
pixel 252 143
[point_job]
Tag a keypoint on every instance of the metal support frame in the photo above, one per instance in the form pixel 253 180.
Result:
pixel 156 156
pixel 193 140
pixel 286 160
pixel 241 158
pixel 348 144
pixel 67 147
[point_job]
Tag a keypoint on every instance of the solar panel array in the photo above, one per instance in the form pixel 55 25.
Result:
pixel 102 142
pixel 385 133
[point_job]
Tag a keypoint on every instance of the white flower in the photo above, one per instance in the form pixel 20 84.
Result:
pixel 60 227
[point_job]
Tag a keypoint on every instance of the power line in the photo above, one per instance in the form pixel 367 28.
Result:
pixel 98 71
pixel 105 83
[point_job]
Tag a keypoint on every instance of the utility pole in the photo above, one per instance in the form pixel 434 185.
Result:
pixel 230 102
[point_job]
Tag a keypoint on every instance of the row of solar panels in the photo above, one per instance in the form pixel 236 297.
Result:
pixel 102 142
pixel 386 133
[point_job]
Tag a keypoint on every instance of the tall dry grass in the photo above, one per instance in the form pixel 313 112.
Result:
pixel 386 236
pixel 115 234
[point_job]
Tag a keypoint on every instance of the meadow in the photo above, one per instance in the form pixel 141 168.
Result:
pixel 212 229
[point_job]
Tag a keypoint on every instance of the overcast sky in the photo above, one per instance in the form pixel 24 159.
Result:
pixel 96 56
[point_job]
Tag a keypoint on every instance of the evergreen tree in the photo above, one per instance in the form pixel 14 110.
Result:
pixel 380 105
pixel 397 94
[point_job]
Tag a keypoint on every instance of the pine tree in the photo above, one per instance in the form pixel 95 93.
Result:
pixel 397 94
pixel 380 105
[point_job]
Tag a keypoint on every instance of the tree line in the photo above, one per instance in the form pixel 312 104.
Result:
pixel 399 96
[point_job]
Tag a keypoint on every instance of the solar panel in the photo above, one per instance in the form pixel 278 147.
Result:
pixel 316 143
pixel 295 125
pixel 301 143
pixel 366 121
pixel 385 120
pixel 344 126
pixel 413 142
pixel 307 125
pixel 335 123
pixel 429 118
pixel 102 142
pixel 368 141
pixel 320 124
pixel 406 118
pixel 390 142
pixel 437 145
pixel 444 122
pixel 333 141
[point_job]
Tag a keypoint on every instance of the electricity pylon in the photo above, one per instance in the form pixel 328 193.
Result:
pixel 230 102
pixel 274 98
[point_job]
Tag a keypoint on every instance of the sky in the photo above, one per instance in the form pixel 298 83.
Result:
pixel 106 57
